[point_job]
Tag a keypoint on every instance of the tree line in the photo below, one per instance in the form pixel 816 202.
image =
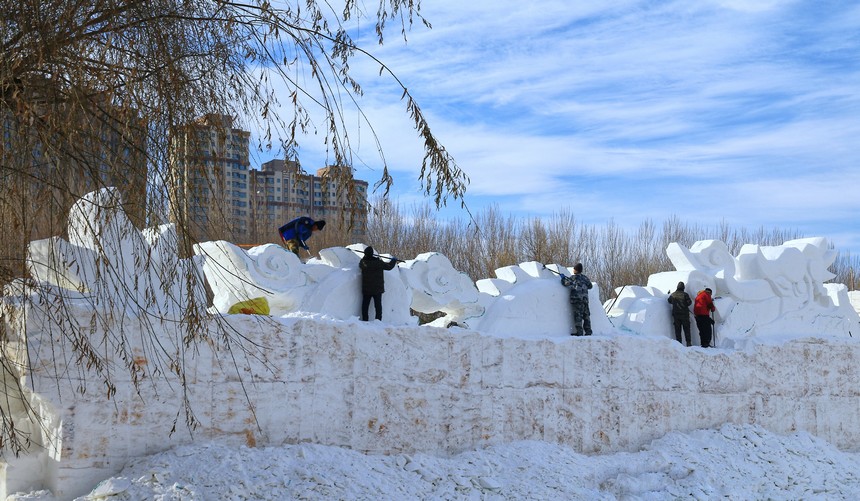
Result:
pixel 613 256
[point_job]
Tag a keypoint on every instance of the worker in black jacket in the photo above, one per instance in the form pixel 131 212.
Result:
pixel 373 281
pixel 681 302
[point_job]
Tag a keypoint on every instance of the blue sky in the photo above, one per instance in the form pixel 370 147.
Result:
pixel 733 110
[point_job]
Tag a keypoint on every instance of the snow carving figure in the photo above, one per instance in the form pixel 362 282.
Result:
pixel 107 263
pixel 437 286
pixel 235 274
pixel 108 260
pixel 339 294
pixel 109 278
pixel 524 301
pixel 527 301
pixel 765 290
pixel 328 285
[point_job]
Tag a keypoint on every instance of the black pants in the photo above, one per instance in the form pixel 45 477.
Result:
pixel 685 323
pixel 703 322
pixel 365 305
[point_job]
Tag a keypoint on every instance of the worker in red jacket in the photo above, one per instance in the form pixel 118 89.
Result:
pixel 702 309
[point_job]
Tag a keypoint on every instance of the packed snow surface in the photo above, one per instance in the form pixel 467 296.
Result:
pixel 734 462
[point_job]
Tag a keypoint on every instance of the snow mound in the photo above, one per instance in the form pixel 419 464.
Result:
pixel 732 462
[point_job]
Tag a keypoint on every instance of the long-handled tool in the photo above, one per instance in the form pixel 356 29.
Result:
pixel 713 331
pixel 616 299
pixel 557 273
pixel 380 256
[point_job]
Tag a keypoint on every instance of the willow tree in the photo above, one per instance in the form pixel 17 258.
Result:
pixel 91 91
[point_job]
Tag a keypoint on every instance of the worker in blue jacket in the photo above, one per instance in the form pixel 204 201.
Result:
pixel 296 233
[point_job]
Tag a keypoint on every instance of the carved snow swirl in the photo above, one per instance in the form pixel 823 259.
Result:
pixel 436 283
pixel 715 256
pixel 273 262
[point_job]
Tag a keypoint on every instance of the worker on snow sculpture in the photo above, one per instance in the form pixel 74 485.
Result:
pixel 373 281
pixel 295 233
pixel 702 310
pixel 681 302
pixel 579 285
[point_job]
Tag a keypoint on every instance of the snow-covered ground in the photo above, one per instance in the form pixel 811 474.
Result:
pixel 734 462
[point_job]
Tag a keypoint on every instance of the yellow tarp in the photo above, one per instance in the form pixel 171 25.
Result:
pixel 256 306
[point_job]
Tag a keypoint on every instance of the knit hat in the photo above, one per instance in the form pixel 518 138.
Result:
pixel 368 251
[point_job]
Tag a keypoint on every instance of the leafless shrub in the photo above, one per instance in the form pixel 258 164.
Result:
pixel 613 256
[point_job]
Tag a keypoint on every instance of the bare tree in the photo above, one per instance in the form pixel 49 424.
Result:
pixel 535 241
pixel 143 68
pixel 613 256
pixel 91 94
pixel 562 234
pixel 387 227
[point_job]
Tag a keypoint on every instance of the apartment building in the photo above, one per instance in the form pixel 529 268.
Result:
pixel 218 196
pixel 208 189
pixel 282 191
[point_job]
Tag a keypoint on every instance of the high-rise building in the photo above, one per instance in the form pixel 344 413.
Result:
pixel 282 191
pixel 209 183
pixel 217 196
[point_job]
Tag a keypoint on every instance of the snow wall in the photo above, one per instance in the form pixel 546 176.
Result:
pixel 437 390
pixel 312 372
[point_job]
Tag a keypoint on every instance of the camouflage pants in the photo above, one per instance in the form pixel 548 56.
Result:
pixel 581 318
pixel 293 246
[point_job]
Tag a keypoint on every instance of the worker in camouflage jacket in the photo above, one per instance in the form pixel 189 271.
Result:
pixel 579 285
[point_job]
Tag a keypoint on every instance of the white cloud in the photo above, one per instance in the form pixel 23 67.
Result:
pixel 643 103
pixel 752 5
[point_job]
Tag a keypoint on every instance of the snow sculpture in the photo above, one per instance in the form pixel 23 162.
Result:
pixel 107 260
pixel 330 285
pixel 265 271
pixel 528 301
pixel 92 292
pixel 765 290
pixel 524 301
pixel 437 286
